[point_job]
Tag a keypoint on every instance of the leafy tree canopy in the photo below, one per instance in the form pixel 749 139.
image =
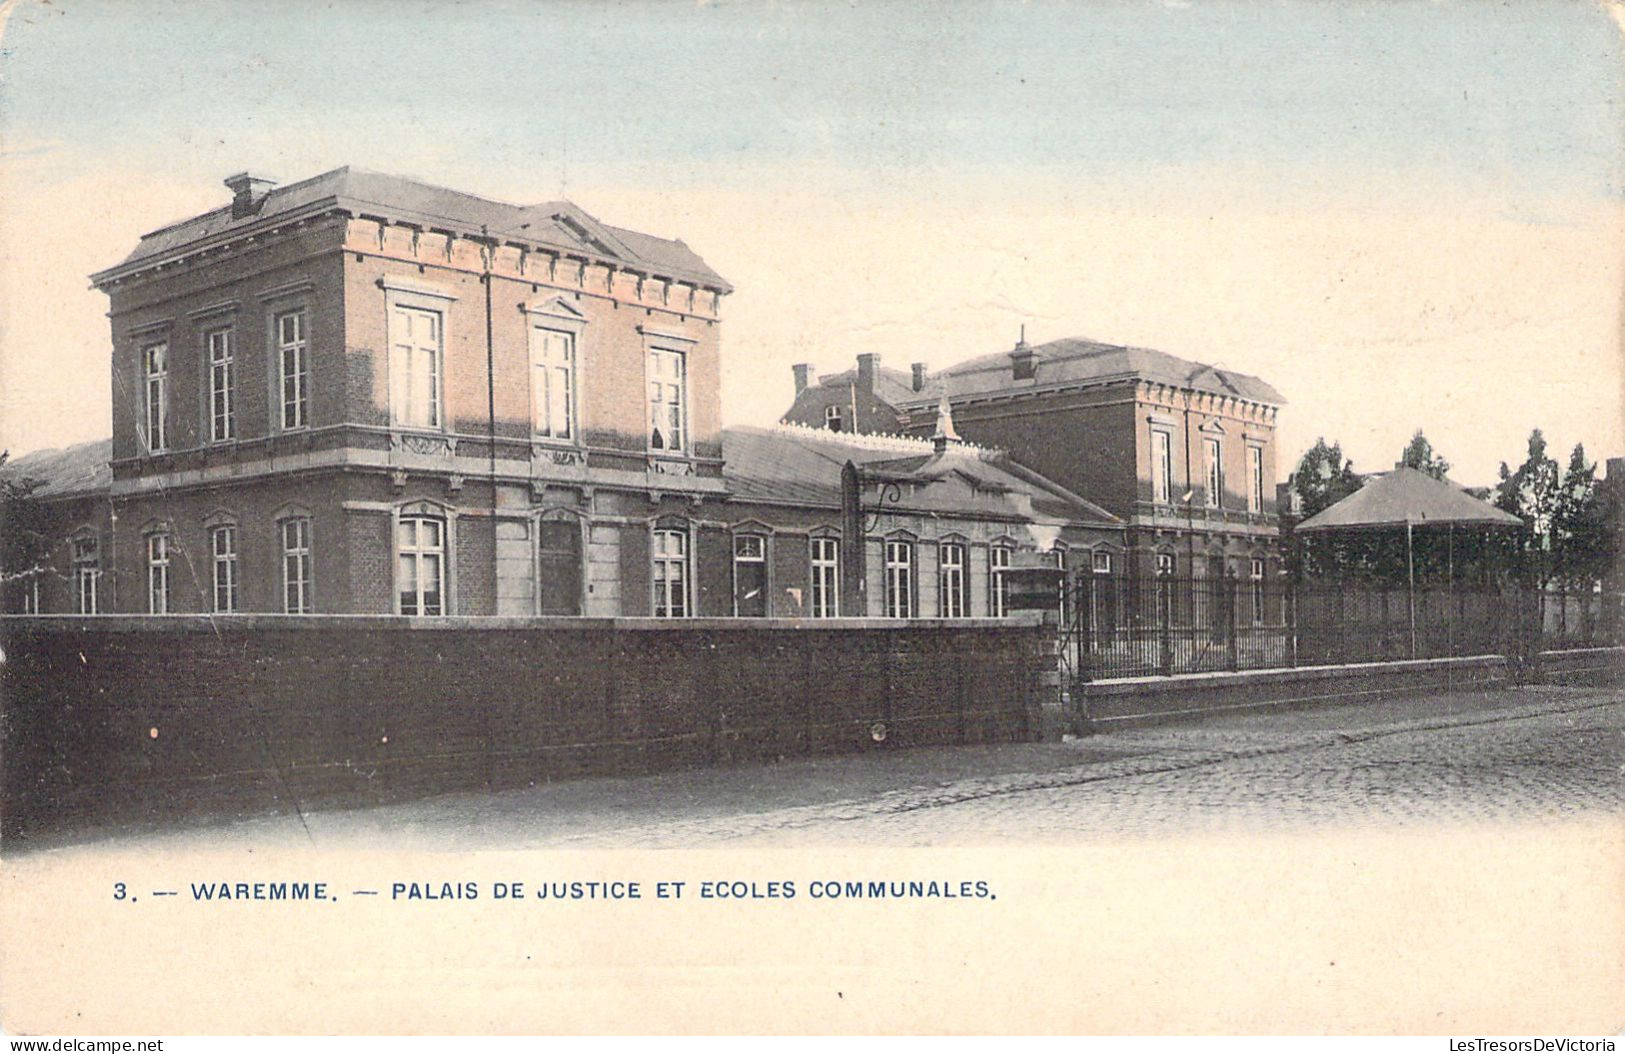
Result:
pixel 1323 478
pixel 1419 454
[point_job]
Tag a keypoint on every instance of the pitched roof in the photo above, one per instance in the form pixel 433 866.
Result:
pixel 1407 495
pixel 801 465
pixel 555 224
pixel 891 386
pixel 79 469
pixel 1074 360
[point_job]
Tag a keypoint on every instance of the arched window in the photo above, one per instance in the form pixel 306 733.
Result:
pixel 420 545
pixel 899 578
pixel 750 575
pixel 669 554
pixel 87 572
pixel 952 580
pixel 824 591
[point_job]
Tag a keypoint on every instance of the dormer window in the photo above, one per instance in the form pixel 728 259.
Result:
pixel 832 418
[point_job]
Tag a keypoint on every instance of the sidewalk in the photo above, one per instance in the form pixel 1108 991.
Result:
pixel 668 809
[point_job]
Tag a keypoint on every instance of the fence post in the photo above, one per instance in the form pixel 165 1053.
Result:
pixel 1163 601
pixel 1232 592
pixel 1292 619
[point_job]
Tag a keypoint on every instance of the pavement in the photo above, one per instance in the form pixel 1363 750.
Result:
pixel 1484 755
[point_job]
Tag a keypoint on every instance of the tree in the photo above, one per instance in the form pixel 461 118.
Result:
pixel 1533 495
pixel 1583 540
pixel 25 540
pixel 1419 455
pixel 1323 478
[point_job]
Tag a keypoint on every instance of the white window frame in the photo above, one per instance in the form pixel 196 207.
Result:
pixel 1162 466
pixel 159 547
pixel 294 536
pixel 899 564
pixel 292 367
pixel 832 417
pixel 998 594
pixel 155 395
pixel 660 389
pixel 221 359
pixel 952 581
pixel 1100 562
pixel 544 374
pixel 31 596
pixel 224 565
pixel 824 588
pixel 670 596
pixel 87 573
pixel 1256 589
pixel 419 555
pixel 1255 478
pixel 405 375
pixel 1166 565
pixel 1213 452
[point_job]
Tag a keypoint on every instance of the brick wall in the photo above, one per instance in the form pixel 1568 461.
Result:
pixel 123 718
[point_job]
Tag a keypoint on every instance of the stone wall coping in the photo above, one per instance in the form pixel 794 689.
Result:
pixel 399 623
pixel 1241 678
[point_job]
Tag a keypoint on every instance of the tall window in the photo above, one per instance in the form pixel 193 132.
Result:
pixel 223 542
pixel 296 566
pixel 293 368
pixel 421 544
pixel 671 574
pixel 158 574
pixel 1165 564
pixel 1162 466
pixel 750 575
pixel 1257 589
pixel 1215 472
pixel 999 595
pixel 87 574
pixel 552 383
pixel 666 399
pixel 1255 479
pixel 414 367
pixel 1101 562
pixel 155 397
pixel 951 580
pixel 899 579
pixel 832 418
pixel 826 577
pixel 558 570
pixel 222 384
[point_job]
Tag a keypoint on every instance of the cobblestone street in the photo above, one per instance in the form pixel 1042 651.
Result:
pixel 1558 754
pixel 1466 758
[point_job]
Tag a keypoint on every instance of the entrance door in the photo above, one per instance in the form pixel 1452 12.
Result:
pixel 558 562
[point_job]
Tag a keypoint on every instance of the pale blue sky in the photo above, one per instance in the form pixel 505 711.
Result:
pixel 1340 196
pixel 1514 93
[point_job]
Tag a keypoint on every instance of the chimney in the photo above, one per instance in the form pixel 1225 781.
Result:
pixel 804 375
pixel 919 376
pixel 868 363
pixel 1022 367
pixel 247 193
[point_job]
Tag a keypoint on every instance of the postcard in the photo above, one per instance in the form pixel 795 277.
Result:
pixel 794 518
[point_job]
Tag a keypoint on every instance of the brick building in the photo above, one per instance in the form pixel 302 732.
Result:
pixel 1184 453
pixel 362 394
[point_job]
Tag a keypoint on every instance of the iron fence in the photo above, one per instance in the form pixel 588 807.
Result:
pixel 1123 626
